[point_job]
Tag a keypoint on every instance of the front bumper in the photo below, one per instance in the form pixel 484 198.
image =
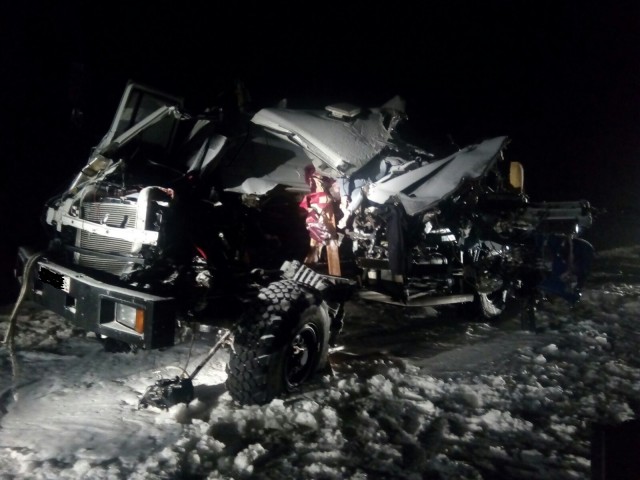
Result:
pixel 91 305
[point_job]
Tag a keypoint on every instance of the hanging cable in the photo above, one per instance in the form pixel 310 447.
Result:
pixel 26 280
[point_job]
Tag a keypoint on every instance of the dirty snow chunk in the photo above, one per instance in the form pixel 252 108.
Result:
pixel 540 360
pixel 244 460
pixel 497 452
pixel 621 412
pixel 497 381
pixel 274 415
pixel 208 445
pixel 316 470
pixel 331 438
pixel 308 406
pixel 380 384
pixel 306 419
pixel 395 375
pixel 275 422
pixel 569 430
pixel 576 461
pixel 277 404
pixel 81 467
pixel 450 468
pixel 614 368
pixel 169 456
pixel 601 339
pixel 428 385
pixel 325 458
pixel 336 395
pixel 503 421
pixel 424 406
pixel 469 396
pixel 408 394
pixel 193 460
pixel 531 456
pixel 330 417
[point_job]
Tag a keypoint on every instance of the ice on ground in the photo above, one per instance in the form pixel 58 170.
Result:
pixel 500 403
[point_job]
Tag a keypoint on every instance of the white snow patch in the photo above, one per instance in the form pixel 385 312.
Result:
pixel 516 404
pixel 306 420
pixel 540 360
pixel 244 460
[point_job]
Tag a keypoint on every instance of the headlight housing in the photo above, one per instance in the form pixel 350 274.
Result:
pixel 130 317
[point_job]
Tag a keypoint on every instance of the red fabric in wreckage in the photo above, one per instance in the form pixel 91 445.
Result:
pixel 315 204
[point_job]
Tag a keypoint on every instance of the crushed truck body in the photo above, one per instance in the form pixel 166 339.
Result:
pixel 265 228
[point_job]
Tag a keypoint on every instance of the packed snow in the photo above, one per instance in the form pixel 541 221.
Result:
pixel 413 394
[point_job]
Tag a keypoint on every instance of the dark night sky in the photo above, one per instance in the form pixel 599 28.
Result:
pixel 562 79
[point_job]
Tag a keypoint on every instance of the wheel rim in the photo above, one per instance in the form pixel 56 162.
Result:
pixel 301 356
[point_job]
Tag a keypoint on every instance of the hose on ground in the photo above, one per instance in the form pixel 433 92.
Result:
pixel 26 281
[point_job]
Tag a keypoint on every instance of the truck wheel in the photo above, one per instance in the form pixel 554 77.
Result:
pixel 279 344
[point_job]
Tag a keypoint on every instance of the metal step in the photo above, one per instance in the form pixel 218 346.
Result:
pixel 419 300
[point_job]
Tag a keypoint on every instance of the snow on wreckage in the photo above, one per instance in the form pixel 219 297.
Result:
pixel 181 221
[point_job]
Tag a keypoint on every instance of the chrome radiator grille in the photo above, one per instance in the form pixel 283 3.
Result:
pixel 114 215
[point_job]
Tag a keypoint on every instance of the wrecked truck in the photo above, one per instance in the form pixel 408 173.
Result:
pixel 262 230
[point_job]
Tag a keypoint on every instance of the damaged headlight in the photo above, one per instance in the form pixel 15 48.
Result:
pixel 129 316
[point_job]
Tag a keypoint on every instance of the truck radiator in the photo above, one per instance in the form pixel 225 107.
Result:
pixel 117 215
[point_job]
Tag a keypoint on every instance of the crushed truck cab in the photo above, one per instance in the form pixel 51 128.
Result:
pixel 205 220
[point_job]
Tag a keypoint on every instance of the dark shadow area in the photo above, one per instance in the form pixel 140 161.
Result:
pixel 614 451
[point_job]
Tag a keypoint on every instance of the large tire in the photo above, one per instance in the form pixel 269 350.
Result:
pixel 279 344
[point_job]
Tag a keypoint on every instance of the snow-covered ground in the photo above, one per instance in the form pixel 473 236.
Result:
pixel 413 395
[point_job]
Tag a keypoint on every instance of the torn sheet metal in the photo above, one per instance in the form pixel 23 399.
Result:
pixel 263 164
pixel 209 150
pixel 426 186
pixel 345 146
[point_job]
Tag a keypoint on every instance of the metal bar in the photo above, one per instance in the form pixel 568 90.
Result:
pixel 415 302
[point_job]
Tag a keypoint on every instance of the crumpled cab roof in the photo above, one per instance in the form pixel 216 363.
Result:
pixel 343 145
